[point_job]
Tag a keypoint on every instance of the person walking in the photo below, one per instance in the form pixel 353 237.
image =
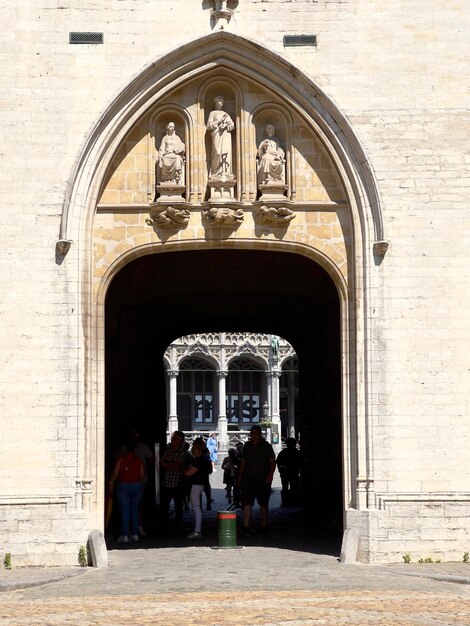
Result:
pixel 129 472
pixel 256 475
pixel 198 473
pixel 288 464
pixel 173 462
pixel 212 447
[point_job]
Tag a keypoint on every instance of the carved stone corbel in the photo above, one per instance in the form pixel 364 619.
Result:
pixel 273 216
pixel 63 246
pixel 223 216
pixel 380 248
pixel 222 13
pixel 169 217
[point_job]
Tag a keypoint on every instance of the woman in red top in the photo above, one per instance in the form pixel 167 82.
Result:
pixel 129 471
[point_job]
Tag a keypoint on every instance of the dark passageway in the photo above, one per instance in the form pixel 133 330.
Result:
pixel 157 298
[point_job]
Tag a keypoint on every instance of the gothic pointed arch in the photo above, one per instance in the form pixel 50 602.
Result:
pixel 221 51
pixel 324 206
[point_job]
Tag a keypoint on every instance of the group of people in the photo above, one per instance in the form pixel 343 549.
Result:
pixel 182 471
pixel 248 473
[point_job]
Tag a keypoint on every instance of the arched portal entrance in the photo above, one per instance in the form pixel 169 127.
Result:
pixel 159 297
pixel 323 210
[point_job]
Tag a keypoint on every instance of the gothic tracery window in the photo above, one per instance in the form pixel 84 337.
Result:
pixel 244 392
pixel 196 392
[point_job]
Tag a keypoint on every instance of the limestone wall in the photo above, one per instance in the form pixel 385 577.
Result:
pixel 399 74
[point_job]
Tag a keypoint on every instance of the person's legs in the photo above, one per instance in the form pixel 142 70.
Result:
pixel 294 489
pixel 165 499
pixel 284 490
pixel 178 498
pixel 124 509
pixel 247 508
pixel 208 492
pixel 135 495
pixel 196 491
pixel 262 495
pixel 263 513
pixel 248 500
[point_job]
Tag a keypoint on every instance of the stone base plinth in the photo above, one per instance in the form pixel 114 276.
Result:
pixel 221 189
pixel 170 192
pixel 273 191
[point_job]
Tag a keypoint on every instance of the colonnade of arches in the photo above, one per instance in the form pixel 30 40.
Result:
pixel 209 392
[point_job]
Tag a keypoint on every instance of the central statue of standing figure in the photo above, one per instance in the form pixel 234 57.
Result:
pixel 220 125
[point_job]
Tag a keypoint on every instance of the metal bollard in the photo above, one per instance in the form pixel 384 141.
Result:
pixel 227 529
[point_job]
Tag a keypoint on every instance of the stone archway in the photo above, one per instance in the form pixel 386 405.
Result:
pixel 296 298
pixel 330 191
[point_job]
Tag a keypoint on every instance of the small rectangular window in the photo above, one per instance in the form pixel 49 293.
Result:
pixel 86 38
pixel 291 41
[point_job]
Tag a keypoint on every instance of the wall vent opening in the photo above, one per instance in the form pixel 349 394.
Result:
pixel 87 38
pixel 299 40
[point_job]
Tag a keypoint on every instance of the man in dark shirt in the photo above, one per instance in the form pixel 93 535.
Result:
pixel 256 475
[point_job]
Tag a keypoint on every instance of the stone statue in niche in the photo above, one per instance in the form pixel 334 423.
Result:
pixel 271 159
pixel 171 158
pixel 220 126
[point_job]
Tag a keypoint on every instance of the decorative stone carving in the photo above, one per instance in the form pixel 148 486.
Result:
pixel 169 217
pixel 63 246
pixel 380 248
pixel 273 216
pixel 271 159
pixel 275 348
pixel 220 125
pixel 223 216
pixel 170 167
pixel 234 344
pixel 222 13
pixel 171 157
pixel 84 485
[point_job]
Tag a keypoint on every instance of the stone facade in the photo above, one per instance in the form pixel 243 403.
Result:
pixel 374 122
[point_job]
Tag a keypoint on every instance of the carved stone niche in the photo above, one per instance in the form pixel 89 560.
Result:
pixel 170 165
pixel 273 215
pixel 223 216
pixel 169 217
pixel 271 159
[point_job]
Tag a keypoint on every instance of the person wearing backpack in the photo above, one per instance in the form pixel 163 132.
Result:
pixel 129 473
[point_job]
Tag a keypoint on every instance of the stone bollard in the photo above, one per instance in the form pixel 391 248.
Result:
pixel 97 549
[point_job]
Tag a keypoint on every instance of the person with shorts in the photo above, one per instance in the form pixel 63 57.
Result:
pixel 256 475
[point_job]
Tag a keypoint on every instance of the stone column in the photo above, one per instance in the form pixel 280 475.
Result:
pixel 275 415
pixel 291 407
pixel 173 415
pixel 269 392
pixel 222 417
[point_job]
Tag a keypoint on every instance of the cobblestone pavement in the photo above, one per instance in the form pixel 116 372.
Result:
pixel 272 581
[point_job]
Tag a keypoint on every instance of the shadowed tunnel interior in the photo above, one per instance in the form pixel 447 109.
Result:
pixel 158 298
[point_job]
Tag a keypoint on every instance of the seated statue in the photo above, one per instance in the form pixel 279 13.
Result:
pixel 271 158
pixel 171 157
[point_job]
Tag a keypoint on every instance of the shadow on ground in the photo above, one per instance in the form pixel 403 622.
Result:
pixel 290 528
